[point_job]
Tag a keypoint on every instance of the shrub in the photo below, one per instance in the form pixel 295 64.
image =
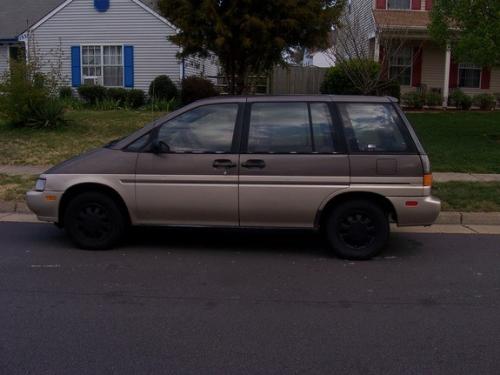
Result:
pixel 135 98
pixel 119 95
pixel 72 103
pixel 413 99
pixel 162 88
pixel 390 88
pixel 337 81
pixel 46 113
pixel 65 92
pixel 92 94
pixel 165 105
pixel 195 88
pixel 433 99
pixel 107 104
pixel 26 99
pixel 486 102
pixel 460 100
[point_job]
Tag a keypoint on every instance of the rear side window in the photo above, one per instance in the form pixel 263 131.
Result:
pixel 373 127
pixel 296 127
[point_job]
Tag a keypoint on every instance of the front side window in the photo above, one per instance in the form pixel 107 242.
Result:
pixel 102 65
pixel 469 75
pixel 206 129
pixel 398 4
pixel 284 128
pixel 400 66
pixel 373 127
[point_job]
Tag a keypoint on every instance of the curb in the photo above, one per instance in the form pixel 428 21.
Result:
pixel 445 217
pixel 468 218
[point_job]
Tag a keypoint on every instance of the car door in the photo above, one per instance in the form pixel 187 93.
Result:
pixel 196 181
pixel 292 160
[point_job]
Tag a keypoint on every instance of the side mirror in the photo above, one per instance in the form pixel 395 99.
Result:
pixel 159 147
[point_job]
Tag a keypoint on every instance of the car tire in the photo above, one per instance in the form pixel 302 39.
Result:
pixel 94 221
pixel 357 230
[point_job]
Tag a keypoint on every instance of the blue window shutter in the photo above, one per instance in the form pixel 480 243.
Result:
pixel 76 67
pixel 129 65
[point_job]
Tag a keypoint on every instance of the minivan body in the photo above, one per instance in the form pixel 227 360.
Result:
pixel 342 164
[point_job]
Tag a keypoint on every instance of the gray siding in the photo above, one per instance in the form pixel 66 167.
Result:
pixel 124 23
pixel 4 58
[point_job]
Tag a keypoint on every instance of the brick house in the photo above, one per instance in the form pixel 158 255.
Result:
pixel 419 63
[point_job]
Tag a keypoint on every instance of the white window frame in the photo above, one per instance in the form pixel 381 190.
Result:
pixel 387 6
pixel 468 66
pixel 403 66
pixel 100 79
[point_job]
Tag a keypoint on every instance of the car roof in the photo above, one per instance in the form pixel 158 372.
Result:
pixel 297 98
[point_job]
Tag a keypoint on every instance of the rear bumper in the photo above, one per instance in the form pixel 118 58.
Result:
pixel 44 204
pixel 422 213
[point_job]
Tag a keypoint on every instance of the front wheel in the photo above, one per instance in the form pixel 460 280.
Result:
pixel 94 221
pixel 357 229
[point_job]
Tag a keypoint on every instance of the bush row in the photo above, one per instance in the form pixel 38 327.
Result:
pixel 162 93
pixel 457 98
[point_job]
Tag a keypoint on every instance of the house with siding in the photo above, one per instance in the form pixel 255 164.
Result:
pixel 114 43
pixel 418 63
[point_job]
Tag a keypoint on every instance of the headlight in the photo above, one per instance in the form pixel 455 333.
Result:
pixel 40 184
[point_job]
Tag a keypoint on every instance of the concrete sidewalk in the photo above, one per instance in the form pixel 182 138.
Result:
pixel 438 176
pixel 473 177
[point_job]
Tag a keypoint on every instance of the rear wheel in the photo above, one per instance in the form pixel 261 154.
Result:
pixel 94 221
pixel 357 229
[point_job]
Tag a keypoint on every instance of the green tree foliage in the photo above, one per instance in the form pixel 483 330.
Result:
pixel 471 26
pixel 250 36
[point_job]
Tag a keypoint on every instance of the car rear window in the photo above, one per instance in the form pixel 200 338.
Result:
pixel 373 127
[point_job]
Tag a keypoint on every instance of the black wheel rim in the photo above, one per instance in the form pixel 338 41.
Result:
pixel 94 222
pixel 357 230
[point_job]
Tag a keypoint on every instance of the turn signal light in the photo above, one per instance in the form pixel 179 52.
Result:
pixel 428 179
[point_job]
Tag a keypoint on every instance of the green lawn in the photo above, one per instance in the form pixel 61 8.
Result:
pixel 455 141
pixel 13 188
pixel 460 141
pixel 86 129
pixel 468 196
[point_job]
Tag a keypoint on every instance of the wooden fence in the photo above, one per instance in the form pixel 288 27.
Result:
pixel 293 80
pixel 296 80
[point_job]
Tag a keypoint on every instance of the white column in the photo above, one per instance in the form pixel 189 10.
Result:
pixel 376 52
pixel 446 84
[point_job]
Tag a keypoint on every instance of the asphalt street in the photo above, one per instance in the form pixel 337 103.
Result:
pixel 193 301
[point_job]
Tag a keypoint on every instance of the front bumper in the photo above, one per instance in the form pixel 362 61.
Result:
pixel 422 213
pixel 45 204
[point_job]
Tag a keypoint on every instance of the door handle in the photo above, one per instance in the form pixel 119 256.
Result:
pixel 254 163
pixel 223 163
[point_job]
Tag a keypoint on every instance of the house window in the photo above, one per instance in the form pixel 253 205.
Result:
pixel 400 66
pixel 102 65
pixel 398 4
pixel 469 75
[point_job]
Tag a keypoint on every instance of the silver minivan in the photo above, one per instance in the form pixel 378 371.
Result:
pixel 346 165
